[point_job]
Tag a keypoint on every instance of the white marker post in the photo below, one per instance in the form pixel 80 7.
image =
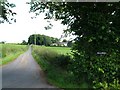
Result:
pixel 101 53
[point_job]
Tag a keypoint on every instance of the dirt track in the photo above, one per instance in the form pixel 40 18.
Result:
pixel 24 72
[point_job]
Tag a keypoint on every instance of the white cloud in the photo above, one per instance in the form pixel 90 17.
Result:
pixel 25 26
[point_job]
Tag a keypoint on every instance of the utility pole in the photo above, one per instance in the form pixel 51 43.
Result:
pixel 35 39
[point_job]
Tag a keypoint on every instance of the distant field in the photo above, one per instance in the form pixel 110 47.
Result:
pixel 61 50
pixel 9 52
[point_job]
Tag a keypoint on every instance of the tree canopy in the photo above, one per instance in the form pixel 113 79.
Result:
pixel 96 24
pixel 24 42
pixel 6 13
pixel 97 28
pixel 41 40
pixel 64 40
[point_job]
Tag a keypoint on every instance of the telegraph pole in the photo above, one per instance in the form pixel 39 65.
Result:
pixel 35 39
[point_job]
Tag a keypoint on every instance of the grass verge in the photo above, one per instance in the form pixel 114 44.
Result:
pixel 9 58
pixel 57 70
pixel 55 66
pixel 10 52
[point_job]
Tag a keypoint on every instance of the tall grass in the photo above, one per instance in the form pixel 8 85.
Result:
pixel 0 53
pixel 9 52
pixel 55 65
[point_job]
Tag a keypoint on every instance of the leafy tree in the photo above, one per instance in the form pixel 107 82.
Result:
pixel 97 28
pixel 70 44
pixel 2 42
pixel 6 14
pixel 24 42
pixel 41 40
pixel 64 40
pixel 54 40
pixel 31 39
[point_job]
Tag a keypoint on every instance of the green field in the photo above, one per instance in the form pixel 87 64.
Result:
pixel 9 52
pixel 61 50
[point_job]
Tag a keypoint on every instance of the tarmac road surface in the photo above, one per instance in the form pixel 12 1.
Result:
pixel 24 72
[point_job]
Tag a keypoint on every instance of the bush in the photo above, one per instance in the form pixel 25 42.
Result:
pixel 55 67
pixel 62 61
pixel 52 57
pixel 46 54
pixel 97 71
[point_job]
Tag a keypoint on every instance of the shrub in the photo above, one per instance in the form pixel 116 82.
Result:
pixel 45 54
pixel 97 70
pixel 62 61
pixel 52 57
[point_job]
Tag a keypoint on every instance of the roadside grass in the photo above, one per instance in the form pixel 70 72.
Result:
pixel 0 51
pixel 10 52
pixel 58 70
pixel 9 58
pixel 55 69
pixel 60 78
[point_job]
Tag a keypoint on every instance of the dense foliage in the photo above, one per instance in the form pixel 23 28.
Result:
pixel 24 42
pixel 70 44
pixel 54 61
pixel 97 28
pixel 41 40
pixel 6 12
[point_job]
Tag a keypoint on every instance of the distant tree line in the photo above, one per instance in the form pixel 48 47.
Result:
pixel 24 42
pixel 2 42
pixel 42 40
pixel 46 40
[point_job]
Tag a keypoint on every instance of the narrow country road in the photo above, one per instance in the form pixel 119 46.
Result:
pixel 24 72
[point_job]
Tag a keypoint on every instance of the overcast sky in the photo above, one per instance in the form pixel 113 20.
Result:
pixel 25 26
